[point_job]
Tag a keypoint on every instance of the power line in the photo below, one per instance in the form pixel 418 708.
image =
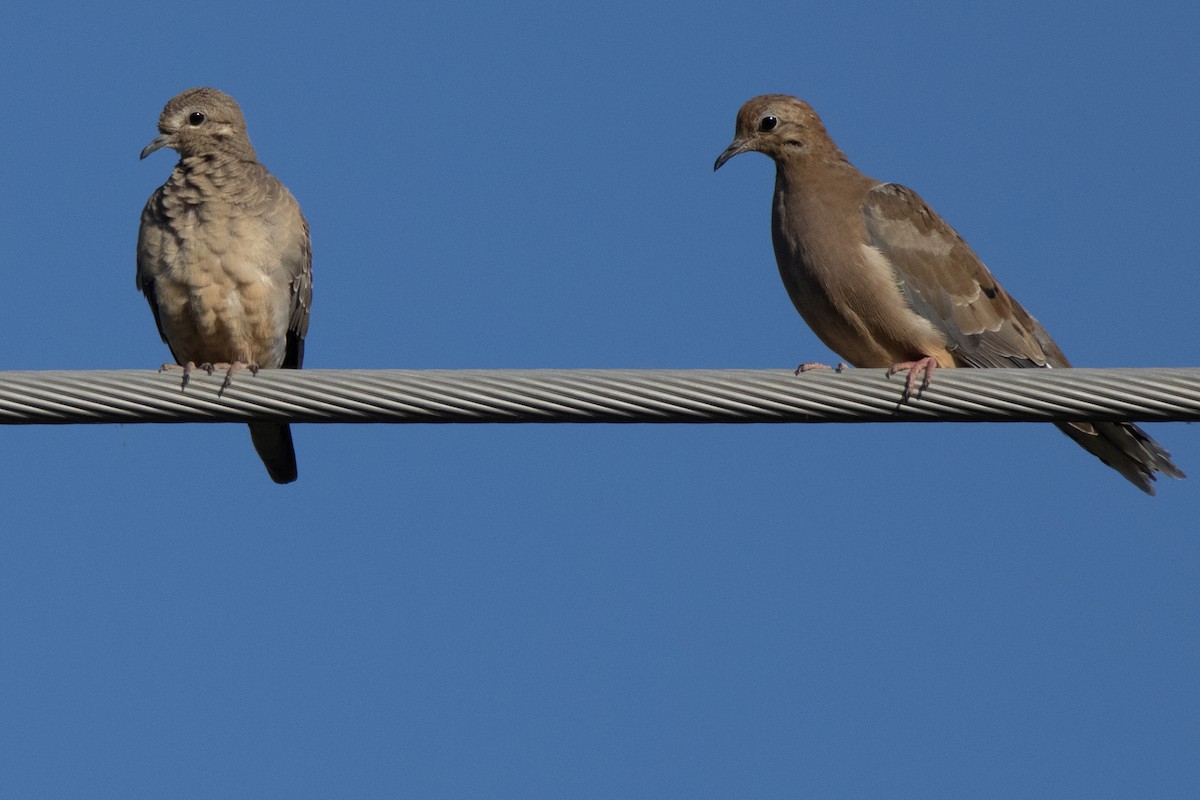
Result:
pixel 592 395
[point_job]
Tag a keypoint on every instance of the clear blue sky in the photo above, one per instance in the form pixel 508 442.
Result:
pixel 590 611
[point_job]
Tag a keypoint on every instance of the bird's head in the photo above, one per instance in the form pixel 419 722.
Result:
pixel 777 125
pixel 202 122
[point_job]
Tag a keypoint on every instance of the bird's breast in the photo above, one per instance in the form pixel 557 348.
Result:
pixel 219 291
pixel 847 291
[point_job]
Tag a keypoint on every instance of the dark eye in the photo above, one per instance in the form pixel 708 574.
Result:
pixel 767 123
pixel 196 118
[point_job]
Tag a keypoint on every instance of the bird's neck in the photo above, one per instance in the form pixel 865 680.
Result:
pixel 206 177
pixel 224 159
pixel 815 198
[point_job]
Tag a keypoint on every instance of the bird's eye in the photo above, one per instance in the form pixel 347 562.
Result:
pixel 196 118
pixel 767 123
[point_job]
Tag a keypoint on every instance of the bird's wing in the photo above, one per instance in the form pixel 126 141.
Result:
pixel 946 283
pixel 299 267
pixel 150 234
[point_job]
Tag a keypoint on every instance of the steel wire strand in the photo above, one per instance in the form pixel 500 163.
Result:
pixel 591 395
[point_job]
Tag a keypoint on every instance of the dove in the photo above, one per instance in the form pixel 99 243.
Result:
pixel 884 281
pixel 224 257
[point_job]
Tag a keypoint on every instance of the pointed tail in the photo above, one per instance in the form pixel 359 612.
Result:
pixel 274 445
pixel 1126 448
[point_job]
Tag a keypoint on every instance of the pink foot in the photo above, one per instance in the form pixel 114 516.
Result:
pixel 236 366
pixel 810 366
pixel 927 365
pixel 187 372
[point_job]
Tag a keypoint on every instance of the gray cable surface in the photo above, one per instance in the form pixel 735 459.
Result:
pixel 593 395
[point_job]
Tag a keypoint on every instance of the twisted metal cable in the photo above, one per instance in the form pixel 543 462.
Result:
pixel 593 395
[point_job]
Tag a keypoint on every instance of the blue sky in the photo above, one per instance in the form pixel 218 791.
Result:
pixel 598 611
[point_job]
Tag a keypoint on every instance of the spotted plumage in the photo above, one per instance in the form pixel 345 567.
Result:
pixel 885 282
pixel 223 256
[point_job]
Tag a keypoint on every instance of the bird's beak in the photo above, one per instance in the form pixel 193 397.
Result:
pixel 736 147
pixel 162 140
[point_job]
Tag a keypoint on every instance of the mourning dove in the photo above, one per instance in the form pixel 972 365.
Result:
pixel 223 256
pixel 885 282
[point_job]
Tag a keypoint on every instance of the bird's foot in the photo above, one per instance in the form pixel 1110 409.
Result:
pixel 187 372
pixel 230 369
pixel 924 365
pixel 810 366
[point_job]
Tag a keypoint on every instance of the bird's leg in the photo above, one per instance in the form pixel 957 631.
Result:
pixel 809 366
pixel 927 365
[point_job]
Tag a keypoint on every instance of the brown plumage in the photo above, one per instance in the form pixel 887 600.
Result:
pixel 885 282
pixel 224 257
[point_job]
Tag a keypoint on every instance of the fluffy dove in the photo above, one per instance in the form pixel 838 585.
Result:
pixel 223 256
pixel 884 282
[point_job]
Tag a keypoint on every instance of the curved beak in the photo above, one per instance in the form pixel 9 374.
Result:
pixel 736 147
pixel 160 141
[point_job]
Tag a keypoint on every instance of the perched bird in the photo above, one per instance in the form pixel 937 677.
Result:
pixel 223 256
pixel 885 282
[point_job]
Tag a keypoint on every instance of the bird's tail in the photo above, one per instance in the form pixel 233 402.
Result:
pixel 274 445
pixel 1126 448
